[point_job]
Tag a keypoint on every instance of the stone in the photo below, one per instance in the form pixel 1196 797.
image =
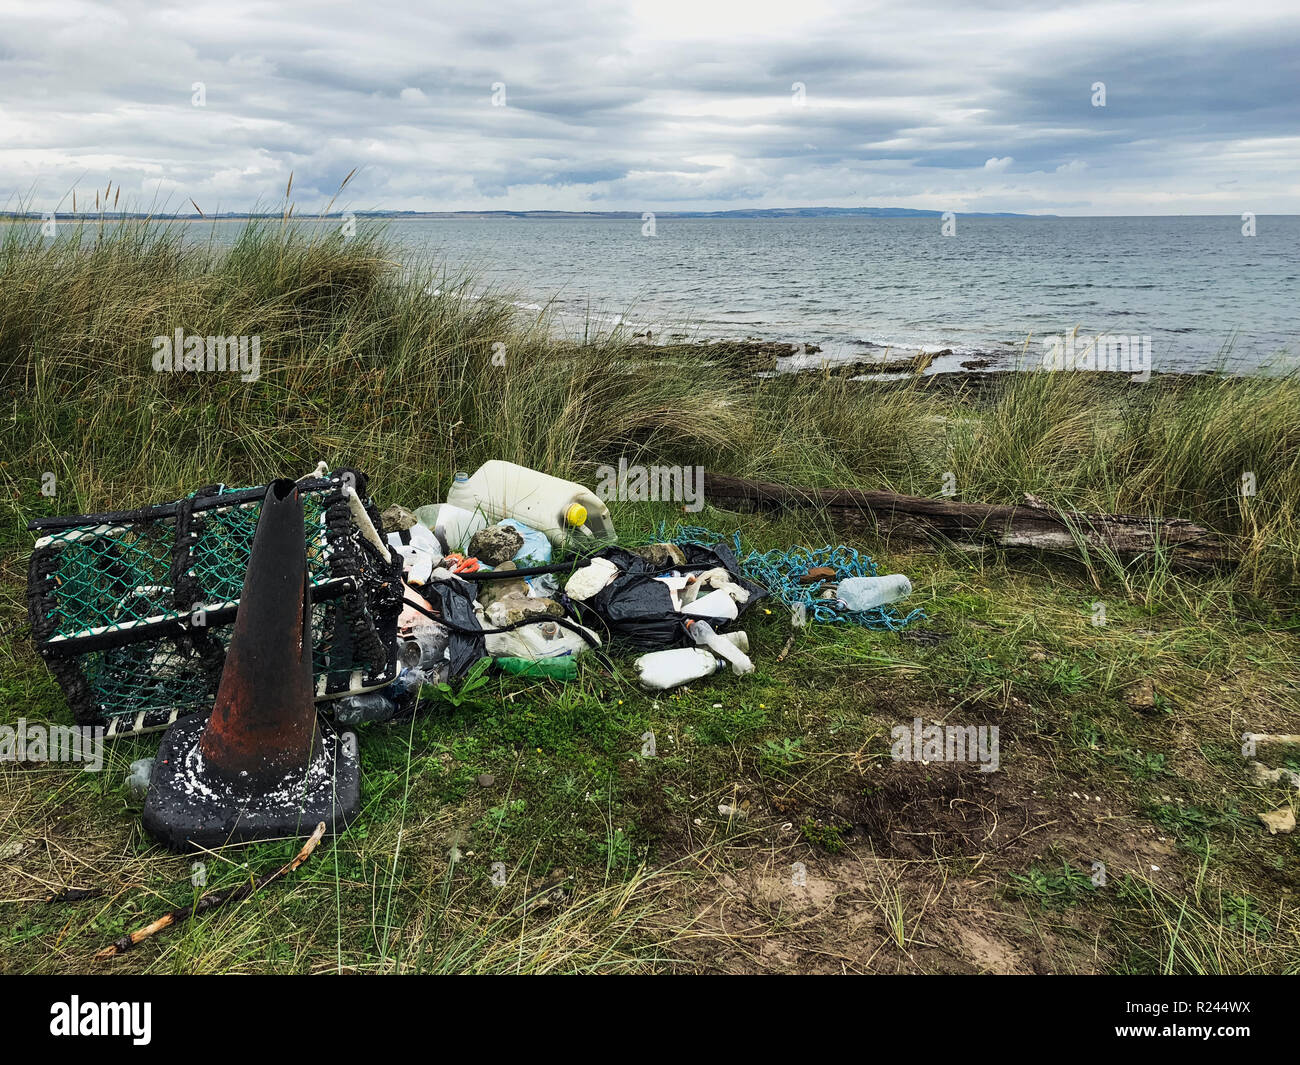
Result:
pixel 511 608
pixel 397 519
pixel 490 592
pixel 662 556
pixel 495 544
pixel 1281 820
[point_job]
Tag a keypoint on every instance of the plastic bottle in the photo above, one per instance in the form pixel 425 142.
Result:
pixel 865 593
pixel 458 524
pixel 660 670
pixel 560 509
pixel 553 668
pixel 368 706
pixel 730 646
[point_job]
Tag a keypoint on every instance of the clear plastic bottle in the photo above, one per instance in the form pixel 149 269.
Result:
pixel 866 593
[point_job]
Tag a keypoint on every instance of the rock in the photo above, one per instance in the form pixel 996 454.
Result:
pixel 1274 776
pixel 506 610
pixel 490 592
pixel 397 519
pixel 486 780
pixel 1142 695
pixel 495 544
pixel 661 556
pixel 1281 820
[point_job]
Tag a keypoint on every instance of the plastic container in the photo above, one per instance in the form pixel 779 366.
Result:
pixel 717 606
pixel 368 706
pixel 660 670
pixel 560 509
pixel 731 646
pixel 866 593
pixel 458 524
pixel 544 638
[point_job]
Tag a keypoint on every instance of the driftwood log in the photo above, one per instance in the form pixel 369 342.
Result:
pixel 980 526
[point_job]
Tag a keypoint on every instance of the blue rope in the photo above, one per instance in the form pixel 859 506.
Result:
pixel 779 572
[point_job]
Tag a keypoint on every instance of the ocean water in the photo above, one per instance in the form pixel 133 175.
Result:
pixel 1204 293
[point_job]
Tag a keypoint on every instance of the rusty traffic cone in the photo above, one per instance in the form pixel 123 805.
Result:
pixel 263 765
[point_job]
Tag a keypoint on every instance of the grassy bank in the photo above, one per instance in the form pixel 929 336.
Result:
pixel 1120 743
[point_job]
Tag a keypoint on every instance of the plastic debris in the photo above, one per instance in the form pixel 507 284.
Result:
pixel 137 779
pixel 565 668
pixel 866 593
pixel 731 647
pixel 661 670
pixel 590 579
pixel 561 510
pixel 781 572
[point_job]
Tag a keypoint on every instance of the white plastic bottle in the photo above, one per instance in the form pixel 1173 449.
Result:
pixel 660 670
pixel 458 524
pixel 864 593
pixel 729 645
pixel 560 509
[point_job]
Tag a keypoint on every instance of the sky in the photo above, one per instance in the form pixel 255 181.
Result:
pixel 1085 108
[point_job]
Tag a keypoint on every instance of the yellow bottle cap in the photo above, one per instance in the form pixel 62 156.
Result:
pixel 576 515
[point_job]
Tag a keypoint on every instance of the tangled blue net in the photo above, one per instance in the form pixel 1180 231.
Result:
pixel 779 572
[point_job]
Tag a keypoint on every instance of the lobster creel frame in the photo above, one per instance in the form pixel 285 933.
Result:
pixel 132 610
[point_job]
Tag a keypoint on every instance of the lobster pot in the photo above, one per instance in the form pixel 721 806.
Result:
pixel 132 611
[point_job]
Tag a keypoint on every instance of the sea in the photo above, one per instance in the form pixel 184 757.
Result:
pixel 1202 293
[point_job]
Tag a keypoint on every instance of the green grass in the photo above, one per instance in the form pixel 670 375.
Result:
pixel 615 861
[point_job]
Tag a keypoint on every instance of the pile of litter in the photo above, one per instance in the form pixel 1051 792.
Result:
pixel 829 583
pixel 235 619
pixel 132 610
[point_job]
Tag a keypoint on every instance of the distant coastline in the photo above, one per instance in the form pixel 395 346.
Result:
pixel 417 216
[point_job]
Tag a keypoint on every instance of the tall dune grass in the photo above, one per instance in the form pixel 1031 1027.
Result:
pixel 411 373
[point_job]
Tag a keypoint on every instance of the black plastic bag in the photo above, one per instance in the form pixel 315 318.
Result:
pixel 454 600
pixel 637 611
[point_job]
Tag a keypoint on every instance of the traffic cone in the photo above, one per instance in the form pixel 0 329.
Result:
pixel 263 764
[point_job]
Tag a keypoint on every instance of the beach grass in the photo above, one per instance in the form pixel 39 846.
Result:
pixel 1121 741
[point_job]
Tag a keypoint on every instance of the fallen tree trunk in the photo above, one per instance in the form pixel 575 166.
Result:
pixel 980 526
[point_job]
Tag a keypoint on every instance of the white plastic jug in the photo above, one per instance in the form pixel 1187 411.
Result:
pixel 558 508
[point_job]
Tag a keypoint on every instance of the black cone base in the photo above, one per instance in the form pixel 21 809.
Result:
pixel 188 805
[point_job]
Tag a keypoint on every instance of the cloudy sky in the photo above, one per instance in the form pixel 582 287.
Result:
pixel 663 105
